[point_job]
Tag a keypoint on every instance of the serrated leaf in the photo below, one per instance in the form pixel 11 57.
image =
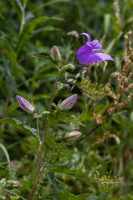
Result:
pixel 66 195
pixel 16 123
pixel 71 172
pixel 43 56
pixel 51 178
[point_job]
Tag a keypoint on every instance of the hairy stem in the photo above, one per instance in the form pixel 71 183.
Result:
pixel 40 152
pixel 38 131
pixel 53 91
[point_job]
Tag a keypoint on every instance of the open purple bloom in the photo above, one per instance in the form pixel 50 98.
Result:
pixel 89 52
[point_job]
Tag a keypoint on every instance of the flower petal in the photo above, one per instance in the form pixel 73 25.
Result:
pixel 87 35
pixel 89 52
pixel 104 56
pixel 95 45
pixel 83 50
pixel 96 57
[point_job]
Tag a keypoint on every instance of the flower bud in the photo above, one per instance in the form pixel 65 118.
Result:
pixel 68 103
pixel 16 183
pixel 55 54
pixel 72 135
pixel 24 104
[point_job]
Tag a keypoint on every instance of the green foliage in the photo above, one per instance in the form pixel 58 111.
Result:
pixel 33 148
pixel 92 91
pixel 16 123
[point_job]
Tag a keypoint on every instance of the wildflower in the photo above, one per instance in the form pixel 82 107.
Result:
pixel 72 135
pixel 24 104
pixel 55 54
pixel 89 52
pixel 68 103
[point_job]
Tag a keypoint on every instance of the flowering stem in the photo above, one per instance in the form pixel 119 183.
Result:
pixel 53 91
pixel 38 132
pixel 40 152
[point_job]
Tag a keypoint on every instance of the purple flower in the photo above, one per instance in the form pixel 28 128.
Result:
pixel 89 52
pixel 24 104
pixel 68 103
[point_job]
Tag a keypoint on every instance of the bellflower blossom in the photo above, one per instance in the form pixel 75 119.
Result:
pixel 89 52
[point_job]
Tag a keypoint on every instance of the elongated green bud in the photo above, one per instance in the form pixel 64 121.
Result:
pixel 69 102
pixel 24 104
pixel 55 54
pixel 72 135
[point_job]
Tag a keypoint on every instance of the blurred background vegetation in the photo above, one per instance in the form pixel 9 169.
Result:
pixel 28 30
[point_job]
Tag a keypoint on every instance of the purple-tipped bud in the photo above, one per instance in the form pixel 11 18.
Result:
pixel 72 135
pixel 24 104
pixel 69 102
pixel 55 54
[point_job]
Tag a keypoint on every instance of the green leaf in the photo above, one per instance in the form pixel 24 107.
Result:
pixel 71 172
pixel 28 29
pixel 7 155
pixel 11 55
pixel 40 96
pixel 3 88
pixel 101 197
pixel 19 4
pixel 51 2
pixel 112 43
pixel 11 108
pixel 51 178
pixel 44 56
pixel 107 17
pixel 13 193
pixel 66 195
pixel 16 123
